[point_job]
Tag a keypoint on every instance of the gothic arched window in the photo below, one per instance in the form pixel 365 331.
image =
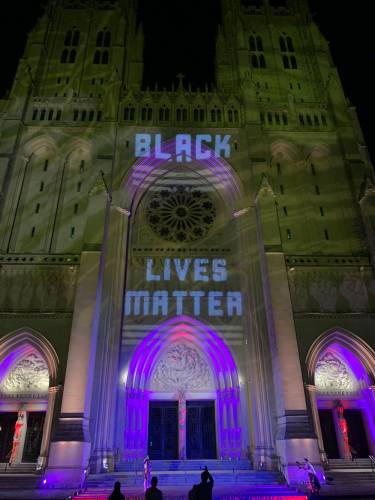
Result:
pixel 64 56
pixel 76 38
pixel 68 38
pixel 289 44
pixel 286 62
pixel 97 57
pixel 259 44
pixel 262 61
pixel 72 56
pixel 99 39
pixel 105 57
pixel 252 43
pixel 107 39
pixel 282 44
pixel 293 62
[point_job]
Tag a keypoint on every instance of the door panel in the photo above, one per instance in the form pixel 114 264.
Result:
pixel 200 429
pixel 34 433
pixel 356 432
pixel 7 423
pixel 327 426
pixel 163 430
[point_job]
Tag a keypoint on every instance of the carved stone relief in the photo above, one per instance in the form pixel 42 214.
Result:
pixel 332 376
pixel 27 376
pixel 332 290
pixel 37 288
pixel 181 368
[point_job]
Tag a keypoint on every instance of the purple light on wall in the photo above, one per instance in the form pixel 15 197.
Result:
pixel 141 176
pixel 143 362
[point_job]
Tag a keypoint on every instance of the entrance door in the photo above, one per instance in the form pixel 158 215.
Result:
pixel 34 433
pixel 7 424
pixel 327 426
pixel 200 429
pixel 163 430
pixel 356 432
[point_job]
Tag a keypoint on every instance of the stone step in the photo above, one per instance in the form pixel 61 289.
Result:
pixel 24 468
pixel 350 464
pixel 184 465
pixel 188 477
pixel 19 482
pixel 264 492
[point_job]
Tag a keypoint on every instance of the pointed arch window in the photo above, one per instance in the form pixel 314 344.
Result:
pixel 252 43
pixel 105 57
pixel 259 44
pixel 129 113
pixel 68 38
pixel 76 38
pixel 99 39
pixel 282 44
pixel 257 59
pixel 107 39
pixel 97 57
pixel 64 56
pixel 289 43
pixel 254 61
pixel 72 56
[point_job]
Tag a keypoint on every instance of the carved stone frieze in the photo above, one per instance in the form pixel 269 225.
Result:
pixel 41 288
pixel 332 376
pixel 327 290
pixel 181 368
pixel 28 376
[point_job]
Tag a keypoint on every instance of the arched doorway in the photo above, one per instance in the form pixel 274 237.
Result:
pixel 27 395
pixel 182 371
pixel 341 367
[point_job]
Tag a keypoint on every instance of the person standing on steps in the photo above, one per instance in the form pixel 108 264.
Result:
pixel 116 493
pixel 203 490
pixel 153 493
pixel 146 472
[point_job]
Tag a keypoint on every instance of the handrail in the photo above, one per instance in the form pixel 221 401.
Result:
pixel 372 461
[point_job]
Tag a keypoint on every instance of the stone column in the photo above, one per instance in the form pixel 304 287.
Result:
pixel 311 389
pixel 70 447
pixel 106 378
pixel 44 448
pixel 258 376
pixel 295 438
pixel 182 425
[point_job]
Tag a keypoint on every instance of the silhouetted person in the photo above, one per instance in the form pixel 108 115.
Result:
pixel 313 484
pixel 116 493
pixel 153 493
pixel 203 490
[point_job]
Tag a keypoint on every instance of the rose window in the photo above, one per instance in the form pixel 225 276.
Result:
pixel 180 214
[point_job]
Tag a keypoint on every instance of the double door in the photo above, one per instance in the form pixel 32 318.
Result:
pixel 163 430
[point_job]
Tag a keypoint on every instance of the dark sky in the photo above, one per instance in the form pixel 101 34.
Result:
pixel 180 38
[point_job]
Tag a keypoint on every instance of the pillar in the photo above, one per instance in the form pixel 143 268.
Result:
pixel 258 377
pixel 70 447
pixel 182 425
pixel 311 389
pixel 44 448
pixel 107 377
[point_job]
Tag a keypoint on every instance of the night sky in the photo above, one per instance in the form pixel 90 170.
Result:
pixel 180 37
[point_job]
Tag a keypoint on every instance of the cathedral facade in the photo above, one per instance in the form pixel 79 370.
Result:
pixel 187 274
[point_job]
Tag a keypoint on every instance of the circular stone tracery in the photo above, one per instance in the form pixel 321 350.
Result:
pixel 180 214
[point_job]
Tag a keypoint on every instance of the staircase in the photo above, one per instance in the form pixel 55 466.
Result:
pixel 359 471
pixel 233 479
pixel 177 472
pixel 18 476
